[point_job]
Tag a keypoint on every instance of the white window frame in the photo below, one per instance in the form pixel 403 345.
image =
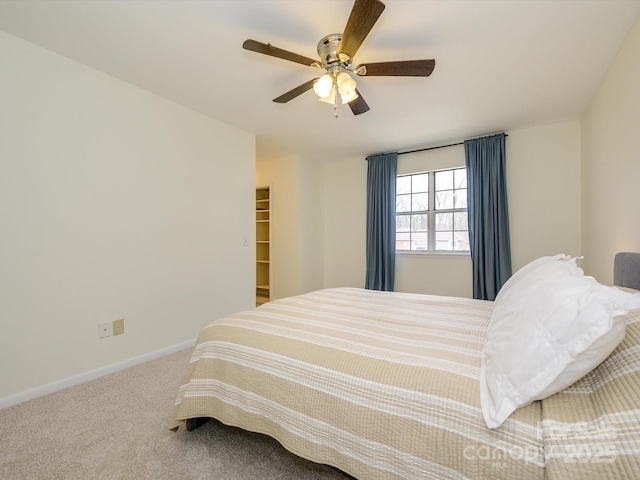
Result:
pixel 431 215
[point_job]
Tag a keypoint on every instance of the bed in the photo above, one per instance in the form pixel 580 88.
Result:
pixel 385 385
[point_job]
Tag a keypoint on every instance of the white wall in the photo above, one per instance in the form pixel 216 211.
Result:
pixel 114 203
pixel 311 226
pixel 611 163
pixel 543 175
pixel 296 223
pixel 345 197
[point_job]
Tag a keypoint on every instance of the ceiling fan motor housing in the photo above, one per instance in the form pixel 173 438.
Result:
pixel 328 50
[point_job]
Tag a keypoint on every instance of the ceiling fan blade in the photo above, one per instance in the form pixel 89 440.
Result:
pixel 358 105
pixel 407 68
pixel 291 94
pixel 364 15
pixel 268 49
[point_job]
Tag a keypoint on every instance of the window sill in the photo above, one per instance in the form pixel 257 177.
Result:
pixel 433 253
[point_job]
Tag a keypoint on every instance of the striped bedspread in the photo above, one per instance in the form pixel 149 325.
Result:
pixel 380 385
pixel 591 429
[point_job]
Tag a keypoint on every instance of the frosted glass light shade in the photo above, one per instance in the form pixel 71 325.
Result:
pixel 346 87
pixel 331 97
pixel 323 86
pixel 349 98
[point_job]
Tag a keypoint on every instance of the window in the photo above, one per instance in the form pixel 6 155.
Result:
pixel 431 211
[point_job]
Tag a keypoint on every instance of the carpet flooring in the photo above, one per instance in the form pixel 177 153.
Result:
pixel 116 427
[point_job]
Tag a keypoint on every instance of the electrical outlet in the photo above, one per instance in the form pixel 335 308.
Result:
pixel 118 327
pixel 104 329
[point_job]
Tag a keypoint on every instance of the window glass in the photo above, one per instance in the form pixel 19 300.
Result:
pixel 419 223
pixel 403 184
pixel 420 183
pixel 420 202
pixel 460 221
pixel 403 203
pixel 460 178
pixel 444 227
pixel 444 200
pixel 444 180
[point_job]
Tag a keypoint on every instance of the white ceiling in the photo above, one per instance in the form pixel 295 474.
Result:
pixel 500 65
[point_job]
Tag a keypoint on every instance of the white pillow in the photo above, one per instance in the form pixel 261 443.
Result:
pixel 517 277
pixel 627 289
pixel 549 328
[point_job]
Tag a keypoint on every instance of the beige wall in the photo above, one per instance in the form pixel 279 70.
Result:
pixel 611 163
pixel 543 175
pixel 114 203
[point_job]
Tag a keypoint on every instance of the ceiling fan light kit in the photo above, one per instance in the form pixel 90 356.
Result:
pixel 346 87
pixel 336 52
pixel 324 86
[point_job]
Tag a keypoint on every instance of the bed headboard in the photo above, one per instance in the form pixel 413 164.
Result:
pixel 626 270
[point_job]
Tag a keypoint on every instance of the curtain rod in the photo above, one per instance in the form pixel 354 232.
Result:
pixel 434 148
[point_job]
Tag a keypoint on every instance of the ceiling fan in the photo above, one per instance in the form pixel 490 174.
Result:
pixel 336 53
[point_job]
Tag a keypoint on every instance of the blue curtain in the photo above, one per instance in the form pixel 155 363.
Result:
pixel 381 221
pixel 488 214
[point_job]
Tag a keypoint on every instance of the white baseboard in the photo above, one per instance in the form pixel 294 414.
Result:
pixel 90 375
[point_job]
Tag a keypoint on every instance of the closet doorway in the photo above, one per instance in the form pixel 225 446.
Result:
pixel 263 245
